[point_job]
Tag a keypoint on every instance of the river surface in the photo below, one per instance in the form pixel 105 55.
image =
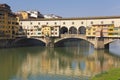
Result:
pixel 78 62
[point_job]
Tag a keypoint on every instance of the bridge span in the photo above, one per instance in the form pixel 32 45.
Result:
pixel 97 42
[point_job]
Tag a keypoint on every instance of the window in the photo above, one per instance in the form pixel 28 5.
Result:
pixel 52 33
pixel 91 22
pixel 94 33
pixel 31 23
pixel 81 22
pixel 110 33
pixel 52 28
pixel 72 22
pixel 63 22
pixel 39 29
pixel 94 29
pixel 55 29
pixel 38 23
pixel 88 33
pixel 39 33
pixel 46 22
pixel 112 22
pixel 110 29
pixel 89 29
pixel 55 23
pixel 102 22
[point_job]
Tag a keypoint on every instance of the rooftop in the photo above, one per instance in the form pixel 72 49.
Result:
pixel 76 18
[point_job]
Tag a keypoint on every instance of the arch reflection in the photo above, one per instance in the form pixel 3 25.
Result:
pixel 58 62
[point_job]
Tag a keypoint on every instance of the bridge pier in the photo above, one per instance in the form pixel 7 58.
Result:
pixel 49 42
pixel 107 46
pixel 99 43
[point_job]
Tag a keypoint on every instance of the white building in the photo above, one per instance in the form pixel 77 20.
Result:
pixel 35 14
pixel 49 16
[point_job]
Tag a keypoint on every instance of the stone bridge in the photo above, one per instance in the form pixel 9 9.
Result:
pixel 98 43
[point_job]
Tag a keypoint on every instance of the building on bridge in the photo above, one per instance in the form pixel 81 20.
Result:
pixel 109 24
pixel 42 32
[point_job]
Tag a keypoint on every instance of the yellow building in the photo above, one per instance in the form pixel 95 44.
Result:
pixel 91 31
pixel 8 23
pixel 46 31
pixel 22 15
pixel 107 30
pixel 111 30
pixel 50 31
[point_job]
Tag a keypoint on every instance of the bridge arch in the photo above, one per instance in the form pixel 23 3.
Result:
pixel 82 30
pixel 28 42
pixel 59 41
pixel 108 42
pixel 63 30
pixel 72 30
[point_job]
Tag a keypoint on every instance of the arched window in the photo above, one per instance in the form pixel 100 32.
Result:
pixel 82 30
pixel 63 30
pixel 72 30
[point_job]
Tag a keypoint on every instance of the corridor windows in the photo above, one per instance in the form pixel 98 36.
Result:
pixel 72 23
pixel 72 30
pixel 46 23
pixel 30 23
pixel 102 22
pixel 63 23
pixel 82 30
pixel 82 22
pixel 55 23
pixel 91 22
pixel 38 23
pixel 112 22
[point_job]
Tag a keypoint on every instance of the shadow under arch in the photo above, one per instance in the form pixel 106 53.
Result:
pixel 25 42
pixel 68 42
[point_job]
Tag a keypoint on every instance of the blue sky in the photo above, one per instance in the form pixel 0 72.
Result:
pixel 68 8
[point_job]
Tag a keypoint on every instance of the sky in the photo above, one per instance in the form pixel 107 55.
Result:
pixel 68 8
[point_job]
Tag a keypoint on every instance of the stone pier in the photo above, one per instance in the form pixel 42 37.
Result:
pixel 99 43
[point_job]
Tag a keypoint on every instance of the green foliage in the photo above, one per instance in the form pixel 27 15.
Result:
pixel 113 74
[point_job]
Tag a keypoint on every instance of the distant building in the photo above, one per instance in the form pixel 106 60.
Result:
pixel 29 14
pixel 35 14
pixel 49 16
pixel 22 15
pixel 8 23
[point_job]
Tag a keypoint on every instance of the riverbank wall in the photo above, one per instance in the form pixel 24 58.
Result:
pixel 6 43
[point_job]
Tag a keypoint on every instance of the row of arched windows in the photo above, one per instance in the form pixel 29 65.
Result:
pixel 73 30
pixel 102 22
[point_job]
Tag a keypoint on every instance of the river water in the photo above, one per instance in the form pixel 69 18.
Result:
pixel 78 62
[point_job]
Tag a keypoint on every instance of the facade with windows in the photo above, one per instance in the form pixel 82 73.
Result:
pixel 104 30
pixel 42 32
pixel 8 23
pixel 99 30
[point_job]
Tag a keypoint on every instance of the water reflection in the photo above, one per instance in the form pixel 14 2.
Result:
pixel 115 48
pixel 68 63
